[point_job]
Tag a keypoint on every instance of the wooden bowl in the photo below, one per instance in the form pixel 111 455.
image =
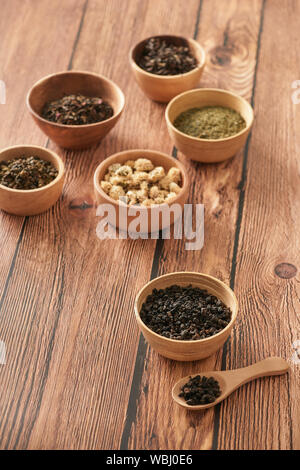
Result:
pixel 187 350
pixel 164 88
pixel 158 159
pixel 33 201
pixel 208 150
pixel 56 86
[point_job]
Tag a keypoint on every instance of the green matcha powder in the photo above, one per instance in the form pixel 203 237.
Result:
pixel 210 122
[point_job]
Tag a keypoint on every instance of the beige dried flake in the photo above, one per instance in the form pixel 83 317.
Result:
pixel 174 188
pixel 156 174
pixel 113 168
pixel 130 163
pixel 141 182
pixel 116 192
pixel 117 180
pixel 124 170
pixel 138 177
pixel 170 196
pixel 106 186
pixel 143 164
pixel 174 174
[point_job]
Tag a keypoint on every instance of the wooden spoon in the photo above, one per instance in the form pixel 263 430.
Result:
pixel 230 380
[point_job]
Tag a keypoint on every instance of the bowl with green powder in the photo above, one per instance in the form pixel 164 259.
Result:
pixel 209 125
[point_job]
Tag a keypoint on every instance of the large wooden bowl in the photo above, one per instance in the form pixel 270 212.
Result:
pixel 33 201
pixel 158 159
pixel 164 88
pixel 187 350
pixel 208 150
pixel 56 86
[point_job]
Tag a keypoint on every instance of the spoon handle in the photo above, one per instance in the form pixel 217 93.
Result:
pixel 269 366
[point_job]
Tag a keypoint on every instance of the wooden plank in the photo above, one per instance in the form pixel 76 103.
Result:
pixel 24 58
pixel 229 31
pixel 70 300
pixel 266 411
pixel 66 308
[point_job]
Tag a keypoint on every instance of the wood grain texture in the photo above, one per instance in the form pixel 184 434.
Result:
pixel 218 188
pixel 78 373
pixel 70 292
pixel 267 416
pixel 24 58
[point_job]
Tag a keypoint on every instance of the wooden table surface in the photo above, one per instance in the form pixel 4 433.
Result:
pixel 78 375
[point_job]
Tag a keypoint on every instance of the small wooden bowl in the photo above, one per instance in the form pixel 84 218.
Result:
pixel 158 159
pixel 187 350
pixel 56 86
pixel 208 150
pixel 33 201
pixel 164 88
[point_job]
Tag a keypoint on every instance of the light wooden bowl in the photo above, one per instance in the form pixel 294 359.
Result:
pixel 158 159
pixel 164 88
pixel 208 150
pixel 56 86
pixel 187 350
pixel 33 201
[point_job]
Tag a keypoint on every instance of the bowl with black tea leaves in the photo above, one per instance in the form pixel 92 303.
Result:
pixel 166 65
pixel 209 125
pixel 186 316
pixel 75 109
pixel 31 179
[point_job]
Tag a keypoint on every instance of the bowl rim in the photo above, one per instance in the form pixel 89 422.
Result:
pixel 61 169
pixel 180 341
pixel 76 72
pixel 199 91
pixel 168 77
pixel 106 163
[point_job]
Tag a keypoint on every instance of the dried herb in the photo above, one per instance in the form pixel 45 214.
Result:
pixel 161 57
pixel 140 182
pixel 27 173
pixel 210 122
pixel 77 110
pixel 200 390
pixel 184 313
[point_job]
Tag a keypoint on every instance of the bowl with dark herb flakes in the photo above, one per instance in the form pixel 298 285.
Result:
pixel 31 179
pixel 165 65
pixel 186 316
pixel 75 109
pixel 209 125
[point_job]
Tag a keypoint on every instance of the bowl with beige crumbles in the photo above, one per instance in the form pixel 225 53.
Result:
pixel 142 183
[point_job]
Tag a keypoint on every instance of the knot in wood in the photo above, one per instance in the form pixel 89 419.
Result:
pixel 221 56
pixel 81 204
pixel 285 270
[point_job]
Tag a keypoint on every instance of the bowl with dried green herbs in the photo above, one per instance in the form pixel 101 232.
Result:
pixel 31 179
pixel 75 109
pixel 166 65
pixel 209 125
pixel 186 316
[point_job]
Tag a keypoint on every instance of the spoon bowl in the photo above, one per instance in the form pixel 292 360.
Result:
pixel 230 380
